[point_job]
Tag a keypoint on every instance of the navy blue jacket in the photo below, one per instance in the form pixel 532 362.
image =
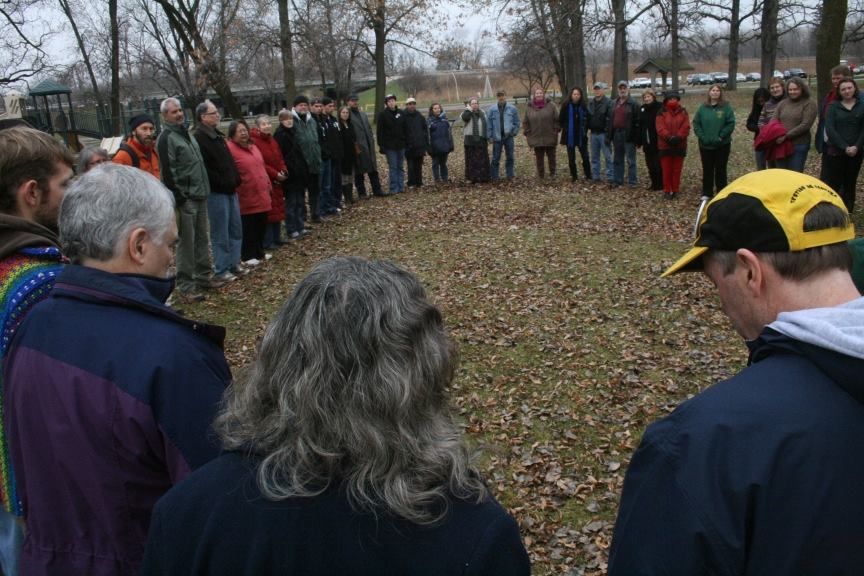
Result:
pixel 760 474
pixel 440 135
pixel 110 396
pixel 217 523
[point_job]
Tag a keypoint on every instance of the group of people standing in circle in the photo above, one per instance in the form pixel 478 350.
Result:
pixel 781 119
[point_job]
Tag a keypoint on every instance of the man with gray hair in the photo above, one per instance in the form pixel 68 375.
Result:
pixel 183 172
pixel 110 393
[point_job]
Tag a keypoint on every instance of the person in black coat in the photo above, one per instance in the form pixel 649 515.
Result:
pixel 648 137
pixel 342 456
pixel 294 187
pixel 392 140
pixel 416 144
pixel 350 153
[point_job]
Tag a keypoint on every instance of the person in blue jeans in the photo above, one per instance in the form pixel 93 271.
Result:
pixel 440 141
pixel 392 140
pixel 502 128
pixel 622 132
pixel 599 109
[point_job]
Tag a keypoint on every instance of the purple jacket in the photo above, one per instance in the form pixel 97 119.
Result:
pixel 110 397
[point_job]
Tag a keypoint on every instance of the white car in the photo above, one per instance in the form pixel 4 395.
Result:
pixel 640 82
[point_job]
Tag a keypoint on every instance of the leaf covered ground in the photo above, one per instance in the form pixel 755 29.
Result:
pixel 570 343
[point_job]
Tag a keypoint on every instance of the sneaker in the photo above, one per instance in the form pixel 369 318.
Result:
pixel 226 276
pixel 251 263
pixel 267 256
pixel 240 270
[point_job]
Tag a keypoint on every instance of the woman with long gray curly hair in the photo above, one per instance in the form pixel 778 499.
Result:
pixel 343 457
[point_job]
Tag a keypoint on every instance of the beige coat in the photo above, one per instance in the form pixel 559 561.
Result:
pixel 541 125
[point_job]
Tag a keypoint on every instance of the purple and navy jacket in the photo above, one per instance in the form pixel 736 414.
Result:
pixel 110 399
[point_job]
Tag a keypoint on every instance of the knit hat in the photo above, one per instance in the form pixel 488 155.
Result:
pixel 137 121
pixel 764 212
pixel 669 94
pixel 300 99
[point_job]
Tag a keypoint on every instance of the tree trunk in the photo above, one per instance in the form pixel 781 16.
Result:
pixel 115 67
pixel 574 54
pixel 829 37
pixel 734 44
pixel 676 51
pixel 378 26
pixel 289 81
pixel 67 10
pixel 620 61
pixel 770 10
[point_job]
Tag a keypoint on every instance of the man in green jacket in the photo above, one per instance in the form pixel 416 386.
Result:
pixel 183 172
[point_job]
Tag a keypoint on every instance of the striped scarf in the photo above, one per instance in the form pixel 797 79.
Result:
pixel 26 278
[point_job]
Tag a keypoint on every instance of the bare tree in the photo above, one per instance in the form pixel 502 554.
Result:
pixel 829 40
pixel 391 22
pixel 22 46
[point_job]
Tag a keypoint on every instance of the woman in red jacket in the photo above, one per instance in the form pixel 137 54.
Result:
pixel 253 192
pixel 262 137
pixel 673 127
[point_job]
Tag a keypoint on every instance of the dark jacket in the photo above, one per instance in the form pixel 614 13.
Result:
pixel 328 141
pixel 218 523
pixel 578 118
pixel 845 127
pixel 291 153
pixel 417 139
pixel 110 396
pixel 760 474
pixel 181 164
pixel 599 110
pixel 648 125
pixel 440 135
pixel 307 140
pixel 349 147
pixel 367 160
pixel 631 122
pixel 392 130
pixel 221 171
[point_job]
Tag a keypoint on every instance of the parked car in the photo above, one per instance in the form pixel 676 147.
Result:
pixel 689 79
pixel 701 79
pixel 739 77
pixel 719 77
pixel 787 74
pixel 859 70
pixel 777 74
pixel 658 82
pixel 640 82
pixel 753 77
pixel 799 72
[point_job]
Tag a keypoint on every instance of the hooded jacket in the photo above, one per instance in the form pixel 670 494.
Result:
pixel 30 261
pixel 761 473
pixel 111 396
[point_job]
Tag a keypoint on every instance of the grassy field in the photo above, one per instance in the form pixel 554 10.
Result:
pixel 570 342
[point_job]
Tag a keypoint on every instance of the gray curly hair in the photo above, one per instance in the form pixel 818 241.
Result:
pixel 350 390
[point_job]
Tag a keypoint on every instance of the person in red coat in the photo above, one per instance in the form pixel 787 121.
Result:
pixel 253 192
pixel 262 137
pixel 673 128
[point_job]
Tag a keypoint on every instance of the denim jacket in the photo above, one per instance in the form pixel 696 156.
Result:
pixel 511 122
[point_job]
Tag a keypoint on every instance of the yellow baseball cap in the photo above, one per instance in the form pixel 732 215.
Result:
pixel 764 212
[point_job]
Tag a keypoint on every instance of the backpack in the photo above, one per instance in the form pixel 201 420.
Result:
pixel 132 154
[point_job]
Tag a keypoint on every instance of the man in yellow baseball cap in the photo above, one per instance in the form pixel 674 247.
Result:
pixel 762 473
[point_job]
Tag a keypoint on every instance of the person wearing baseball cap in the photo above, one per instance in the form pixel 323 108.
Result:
pixel 139 150
pixel 762 473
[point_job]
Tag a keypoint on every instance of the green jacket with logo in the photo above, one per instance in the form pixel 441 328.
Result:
pixel 713 125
